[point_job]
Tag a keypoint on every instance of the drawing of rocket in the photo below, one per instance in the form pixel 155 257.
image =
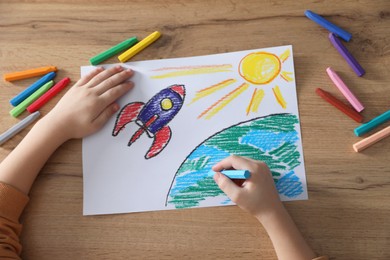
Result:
pixel 152 117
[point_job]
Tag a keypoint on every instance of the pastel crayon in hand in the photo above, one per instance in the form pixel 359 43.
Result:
pixel 233 174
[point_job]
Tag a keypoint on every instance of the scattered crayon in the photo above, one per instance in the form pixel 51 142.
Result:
pixel 352 62
pixel 18 127
pixel 16 111
pixel 372 139
pixel 28 73
pixel 340 105
pixel 233 174
pixel 364 128
pixel 31 89
pixel 139 47
pixel 48 95
pixel 113 51
pixel 344 90
pixel 346 36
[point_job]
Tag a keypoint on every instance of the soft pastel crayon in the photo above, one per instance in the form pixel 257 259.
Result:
pixel 48 95
pixel 372 139
pixel 31 89
pixel 339 105
pixel 16 111
pixel 343 34
pixel 29 73
pixel 139 47
pixel 352 62
pixel 113 51
pixel 18 127
pixel 345 90
pixel 233 174
pixel 364 128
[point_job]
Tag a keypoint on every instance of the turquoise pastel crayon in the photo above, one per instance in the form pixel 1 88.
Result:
pixel 31 89
pixel 364 128
pixel 233 174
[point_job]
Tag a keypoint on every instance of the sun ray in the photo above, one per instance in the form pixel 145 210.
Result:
pixel 257 97
pixel 285 55
pixel 279 97
pixel 194 67
pixel 210 90
pixel 221 103
pixel 195 71
pixel 286 76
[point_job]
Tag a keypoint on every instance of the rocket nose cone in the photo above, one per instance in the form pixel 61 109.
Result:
pixel 179 89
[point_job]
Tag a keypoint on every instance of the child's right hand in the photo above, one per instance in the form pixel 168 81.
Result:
pixel 258 194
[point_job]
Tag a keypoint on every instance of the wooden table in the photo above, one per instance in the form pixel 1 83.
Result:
pixel 347 215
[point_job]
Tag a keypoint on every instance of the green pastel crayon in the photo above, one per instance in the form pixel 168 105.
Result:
pixel 113 51
pixel 16 111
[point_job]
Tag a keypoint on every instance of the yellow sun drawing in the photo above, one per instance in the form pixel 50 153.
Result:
pixel 257 68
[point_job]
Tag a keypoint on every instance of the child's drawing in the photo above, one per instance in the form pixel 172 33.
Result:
pixel 153 117
pixel 242 103
pixel 272 139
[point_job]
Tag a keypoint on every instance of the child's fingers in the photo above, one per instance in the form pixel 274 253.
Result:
pixel 99 78
pixel 227 186
pixel 116 92
pixel 84 80
pixel 105 115
pixel 113 81
pixel 233 161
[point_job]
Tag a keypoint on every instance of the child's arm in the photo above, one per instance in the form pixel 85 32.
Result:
pixel 259 197
pixel 84 109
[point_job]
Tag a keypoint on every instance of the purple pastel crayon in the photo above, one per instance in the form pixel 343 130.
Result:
pixel 352 62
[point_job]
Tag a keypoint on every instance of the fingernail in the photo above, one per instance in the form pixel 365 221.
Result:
pixel 119 68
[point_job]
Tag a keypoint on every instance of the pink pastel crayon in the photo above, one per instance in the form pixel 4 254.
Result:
pixel 345 90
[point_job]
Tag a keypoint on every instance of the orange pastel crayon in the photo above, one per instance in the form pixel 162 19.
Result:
pixel 29 73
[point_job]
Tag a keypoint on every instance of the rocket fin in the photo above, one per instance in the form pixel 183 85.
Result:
pixel 128 114
pixel 161 139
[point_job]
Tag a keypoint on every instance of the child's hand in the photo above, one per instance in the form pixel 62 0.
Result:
pixel 88 105
pixel 258 194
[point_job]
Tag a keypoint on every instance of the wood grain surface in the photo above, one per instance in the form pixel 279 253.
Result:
pixel 347 214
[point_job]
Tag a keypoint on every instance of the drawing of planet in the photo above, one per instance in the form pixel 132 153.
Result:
pixel 272 139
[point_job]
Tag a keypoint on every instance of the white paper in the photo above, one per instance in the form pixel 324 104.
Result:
pixel 119 179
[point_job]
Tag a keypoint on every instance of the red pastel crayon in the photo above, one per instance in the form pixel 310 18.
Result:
pixel 48 95
pixel 340 105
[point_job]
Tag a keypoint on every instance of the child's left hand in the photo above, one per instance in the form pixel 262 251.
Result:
pixel 88 105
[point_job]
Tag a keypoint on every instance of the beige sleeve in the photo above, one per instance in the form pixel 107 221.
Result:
pixel 12 204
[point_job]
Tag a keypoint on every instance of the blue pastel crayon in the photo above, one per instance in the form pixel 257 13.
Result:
pixel 233 174
pixel 364 128
pixel 346 36
pixel 31 89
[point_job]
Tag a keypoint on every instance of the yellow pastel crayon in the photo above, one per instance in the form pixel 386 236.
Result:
pixel 139 47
